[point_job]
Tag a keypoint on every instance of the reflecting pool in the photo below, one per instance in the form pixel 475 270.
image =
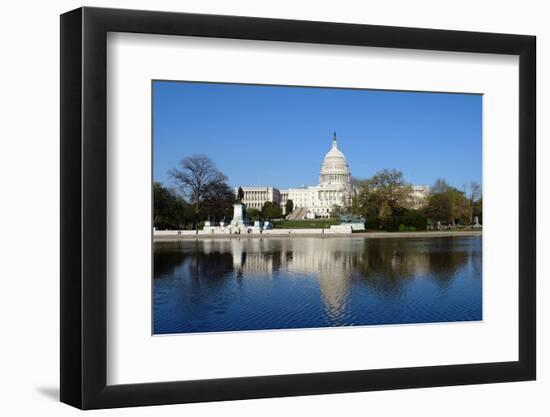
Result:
pixel 229 284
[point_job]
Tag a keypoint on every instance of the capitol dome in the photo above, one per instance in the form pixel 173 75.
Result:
pixel 335 168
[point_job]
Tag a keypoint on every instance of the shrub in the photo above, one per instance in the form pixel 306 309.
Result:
pixel 373 223
pixel 415 219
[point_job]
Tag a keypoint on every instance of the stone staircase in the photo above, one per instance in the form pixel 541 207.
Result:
pixel 297 214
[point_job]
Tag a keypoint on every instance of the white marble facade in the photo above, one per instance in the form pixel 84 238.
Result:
pixel 419 196
pixel 334 189
pixel 255 197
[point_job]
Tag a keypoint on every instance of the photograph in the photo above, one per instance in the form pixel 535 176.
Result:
pixel 300 207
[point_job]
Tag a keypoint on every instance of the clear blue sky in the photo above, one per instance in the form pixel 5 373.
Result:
pixel 278 136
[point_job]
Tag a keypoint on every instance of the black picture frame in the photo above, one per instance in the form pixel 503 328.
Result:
pixel 84 207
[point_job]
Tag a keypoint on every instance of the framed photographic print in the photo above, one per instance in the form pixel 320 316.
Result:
pixel 258 207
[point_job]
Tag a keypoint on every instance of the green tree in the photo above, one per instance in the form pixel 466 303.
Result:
pixel 477 210
pixel 253 214
pixel 389 185
pixel 271 210
pixel 462 209
pixel 415 219
pixel 439 207
pixel 289 206
pixel 381 198
pixel 170 211
pixel 449 206
pixel 217 202
pixel 385 213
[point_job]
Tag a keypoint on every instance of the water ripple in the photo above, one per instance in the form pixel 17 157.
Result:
pixel 246 284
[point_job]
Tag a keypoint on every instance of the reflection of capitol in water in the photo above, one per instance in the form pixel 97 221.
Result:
pixel 331 261
pixel 230 284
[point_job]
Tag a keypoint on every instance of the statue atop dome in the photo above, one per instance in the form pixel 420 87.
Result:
pixel 334 142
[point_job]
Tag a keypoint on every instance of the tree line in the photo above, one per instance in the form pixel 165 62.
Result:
pixel 388 203
pixel 200 192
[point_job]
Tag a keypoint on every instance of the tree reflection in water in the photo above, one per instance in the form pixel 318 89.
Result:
pixel 386 264
pixel 354 280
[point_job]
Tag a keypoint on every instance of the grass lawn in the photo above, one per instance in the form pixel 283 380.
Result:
pixel 305 224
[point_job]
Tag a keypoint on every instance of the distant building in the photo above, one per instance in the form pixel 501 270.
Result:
pixel 255 197
pixel 334 189
pixel 419 196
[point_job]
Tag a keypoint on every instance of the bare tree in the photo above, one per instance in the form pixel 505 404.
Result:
pixel 196 175
pixel 474 191
pixel 440 186
pixel 474 196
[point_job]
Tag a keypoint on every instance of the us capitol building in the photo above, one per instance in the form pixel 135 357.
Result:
pixel 334 190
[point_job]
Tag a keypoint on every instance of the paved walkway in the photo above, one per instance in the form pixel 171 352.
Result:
pixel 290 233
